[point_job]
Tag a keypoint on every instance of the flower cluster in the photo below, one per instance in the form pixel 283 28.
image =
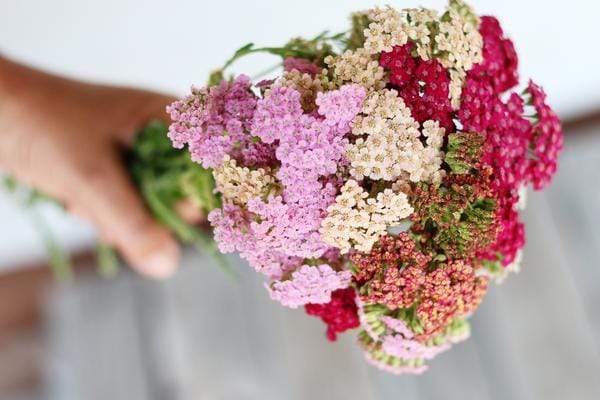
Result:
pixel 357 221
pixel 389 146
pixel 241 184
pixel 378 183
pixel 340 314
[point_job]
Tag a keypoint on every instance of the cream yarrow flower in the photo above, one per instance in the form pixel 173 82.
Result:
pixel 357 221
pixel 386 30
pixel 240 184
pixel 458 43
pixel 432 155
pixel 389 145
pixel 420 27
pixel 354 66
pixel 457 80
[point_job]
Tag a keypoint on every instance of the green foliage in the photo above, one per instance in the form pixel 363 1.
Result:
pixel 464 151
pixel 165 176
pixel 470 231
pixel 167 172
pixel 372 317
pixel 374 312
pixel 495 268
pixel 459 327
pixel 107 260
pixel 452 219
pixel 409 316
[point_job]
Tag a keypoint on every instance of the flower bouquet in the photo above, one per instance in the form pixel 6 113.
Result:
pixel 376 182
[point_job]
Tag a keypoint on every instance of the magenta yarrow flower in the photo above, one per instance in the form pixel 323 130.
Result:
pixel 547 139
pixel 301 65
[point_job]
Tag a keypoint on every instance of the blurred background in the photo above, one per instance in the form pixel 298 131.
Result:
pixel 202 336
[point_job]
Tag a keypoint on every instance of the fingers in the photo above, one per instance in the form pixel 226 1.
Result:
pixel 109 199
pixel 189 211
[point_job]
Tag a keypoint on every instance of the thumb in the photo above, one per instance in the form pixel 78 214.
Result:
pixel 112 203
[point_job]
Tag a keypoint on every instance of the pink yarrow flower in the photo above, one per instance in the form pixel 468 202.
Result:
pixel 339 107
pixel 394 369
pixel 301 65
pixel 214 121
pixel 398 326
pixel 408 349
pixel 309 284
pixel 277 114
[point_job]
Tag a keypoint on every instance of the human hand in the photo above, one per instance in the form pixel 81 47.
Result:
pixel 64 137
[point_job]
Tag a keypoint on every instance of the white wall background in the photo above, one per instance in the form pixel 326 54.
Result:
pixel 168 45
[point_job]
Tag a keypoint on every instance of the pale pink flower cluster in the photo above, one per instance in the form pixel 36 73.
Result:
pixel 399 369
pixel 397 326
pixel 398 349
pixel 214 122
pixel 408 349
pixel 272 214
pixel 309 284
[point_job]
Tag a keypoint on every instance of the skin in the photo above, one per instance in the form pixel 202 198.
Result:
pixel 64 137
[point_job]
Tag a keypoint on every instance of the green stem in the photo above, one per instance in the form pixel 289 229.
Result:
pixel 280 51
pixel 108 262
pixel 59 259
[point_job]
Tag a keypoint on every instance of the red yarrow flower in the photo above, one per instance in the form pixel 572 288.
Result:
pixel 340 314
pixel 424 85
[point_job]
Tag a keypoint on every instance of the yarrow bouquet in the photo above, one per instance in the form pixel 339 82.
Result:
pixel 377 181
